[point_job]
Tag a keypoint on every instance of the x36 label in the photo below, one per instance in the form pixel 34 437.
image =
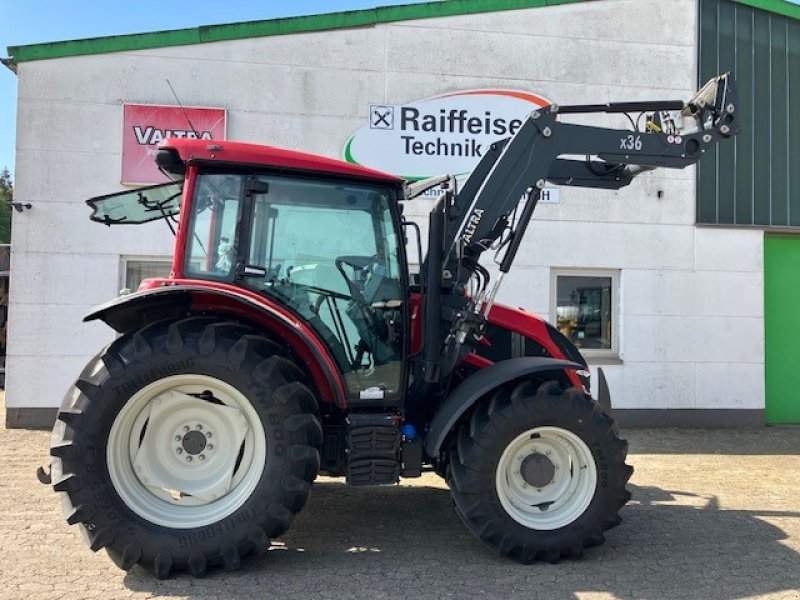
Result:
pixel 630 142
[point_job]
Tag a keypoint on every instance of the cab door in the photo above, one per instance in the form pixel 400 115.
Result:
pixel 330 251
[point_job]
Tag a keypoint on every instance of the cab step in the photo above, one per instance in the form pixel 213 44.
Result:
pixel 373 449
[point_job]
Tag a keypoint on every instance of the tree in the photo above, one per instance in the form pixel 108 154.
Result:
pixel 6 194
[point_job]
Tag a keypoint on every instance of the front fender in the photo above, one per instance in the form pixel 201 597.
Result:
pixel 179 299
pixel 478 385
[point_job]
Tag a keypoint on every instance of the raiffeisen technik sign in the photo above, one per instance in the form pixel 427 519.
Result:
pixel 438 135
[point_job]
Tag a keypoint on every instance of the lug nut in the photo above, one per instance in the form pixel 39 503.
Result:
pixel 186 428
pixel 208 434
pixel 177 438
pixel 199 426
pixel 202 457
pixel 179 450
pixel 210 447
pixel 188 459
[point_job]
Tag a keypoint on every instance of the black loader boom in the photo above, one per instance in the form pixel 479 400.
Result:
pixel 488 214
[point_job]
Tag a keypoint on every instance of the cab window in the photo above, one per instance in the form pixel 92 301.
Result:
pixel 329 251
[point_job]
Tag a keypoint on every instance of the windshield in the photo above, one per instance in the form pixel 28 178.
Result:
pixel 134 207
pixel 327 250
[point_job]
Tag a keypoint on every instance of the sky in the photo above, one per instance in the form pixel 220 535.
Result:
pixel 35 21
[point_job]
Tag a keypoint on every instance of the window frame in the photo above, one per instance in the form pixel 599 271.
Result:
pixel 593 355
pixel 125 260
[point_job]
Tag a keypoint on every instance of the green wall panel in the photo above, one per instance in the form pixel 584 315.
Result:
pixel 793 67
pixel 756 179
pixel 781 327
pixel 744 142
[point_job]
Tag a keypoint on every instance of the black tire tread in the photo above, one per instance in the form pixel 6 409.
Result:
pixel 273 368
pixel 501 413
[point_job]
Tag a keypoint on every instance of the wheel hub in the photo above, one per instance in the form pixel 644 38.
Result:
pixel 187 424
pixel 546 478
pixel 537 470
pixel 194 442
pixel 186 451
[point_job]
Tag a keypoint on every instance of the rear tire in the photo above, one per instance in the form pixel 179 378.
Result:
pixel 539 473
pixel 224 464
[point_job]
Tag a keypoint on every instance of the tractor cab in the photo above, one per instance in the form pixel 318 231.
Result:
pixel 324 247
pixel 327 250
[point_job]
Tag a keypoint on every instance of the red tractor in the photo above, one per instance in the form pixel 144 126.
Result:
pixel 290 340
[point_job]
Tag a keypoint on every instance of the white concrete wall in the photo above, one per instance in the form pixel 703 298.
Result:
pixel 691 312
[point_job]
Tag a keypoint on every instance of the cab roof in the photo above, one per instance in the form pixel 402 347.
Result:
pixel 223 151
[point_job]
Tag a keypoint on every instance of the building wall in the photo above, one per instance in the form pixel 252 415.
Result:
pixel 691 308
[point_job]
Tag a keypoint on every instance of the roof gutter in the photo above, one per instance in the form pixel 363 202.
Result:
pixel 10 63
pixel 368 17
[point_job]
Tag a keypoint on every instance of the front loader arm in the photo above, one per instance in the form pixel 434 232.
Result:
pixel 524 163
pixel 487 213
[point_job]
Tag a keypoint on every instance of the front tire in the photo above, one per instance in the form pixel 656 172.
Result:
pixel 539 473
pixel 186 445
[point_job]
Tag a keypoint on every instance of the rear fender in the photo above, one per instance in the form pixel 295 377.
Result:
pixel 482 383
pixel 177 300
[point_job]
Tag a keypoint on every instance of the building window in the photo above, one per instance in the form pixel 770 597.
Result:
pixel 586 312
pixel 135 270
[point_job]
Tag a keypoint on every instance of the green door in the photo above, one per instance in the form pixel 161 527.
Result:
pixel 782 327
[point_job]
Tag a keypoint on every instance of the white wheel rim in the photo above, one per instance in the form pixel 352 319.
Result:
pixel 181 461
pixel 543 504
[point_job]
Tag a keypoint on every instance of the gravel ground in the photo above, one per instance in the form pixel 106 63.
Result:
pixel 715 515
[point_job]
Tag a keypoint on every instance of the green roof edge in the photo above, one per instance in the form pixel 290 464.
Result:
pixel 234 31
pixel 322 22
pixel 781 7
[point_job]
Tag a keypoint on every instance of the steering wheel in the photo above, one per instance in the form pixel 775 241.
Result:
pixel 359 263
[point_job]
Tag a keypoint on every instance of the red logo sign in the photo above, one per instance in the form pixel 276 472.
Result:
pixel 145 126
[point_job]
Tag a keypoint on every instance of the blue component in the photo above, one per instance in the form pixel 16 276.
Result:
pixel 409 431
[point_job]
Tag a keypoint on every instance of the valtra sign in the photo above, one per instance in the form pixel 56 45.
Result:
pixel 146 125
pixel 437 135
